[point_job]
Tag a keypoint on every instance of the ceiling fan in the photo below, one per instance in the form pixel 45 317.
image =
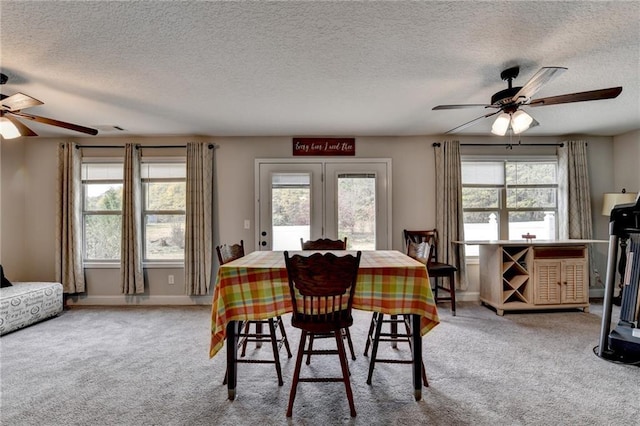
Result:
pixel 508 102
pixel 11 109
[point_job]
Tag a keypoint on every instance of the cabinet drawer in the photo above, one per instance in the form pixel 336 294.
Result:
pixel 558 252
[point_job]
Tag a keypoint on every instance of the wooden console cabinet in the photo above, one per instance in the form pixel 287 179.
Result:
pixel 517 276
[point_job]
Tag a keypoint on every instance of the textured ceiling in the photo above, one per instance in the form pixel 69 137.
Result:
pixel 315 68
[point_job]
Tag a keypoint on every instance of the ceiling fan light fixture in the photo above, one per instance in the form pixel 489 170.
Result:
pixel 501 124
pixel 520 121
pixel 8 130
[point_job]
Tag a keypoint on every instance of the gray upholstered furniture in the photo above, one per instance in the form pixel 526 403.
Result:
pixel 25 303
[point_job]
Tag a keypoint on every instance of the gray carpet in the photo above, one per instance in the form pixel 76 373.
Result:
pixel 150 366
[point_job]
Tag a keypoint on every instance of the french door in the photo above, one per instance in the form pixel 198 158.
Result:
pixel 323 199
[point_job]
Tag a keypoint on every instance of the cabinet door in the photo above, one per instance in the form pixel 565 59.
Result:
pixel 575 285
pixel 547 276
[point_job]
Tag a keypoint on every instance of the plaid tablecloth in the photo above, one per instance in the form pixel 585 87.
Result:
pixel 256 287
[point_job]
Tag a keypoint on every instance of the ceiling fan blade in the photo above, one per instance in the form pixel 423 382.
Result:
pixel 57 123
pixel 463 106
pixel 535 83
pixel 19 101
pixel 592 95
pixel 24 130
pixel 471 123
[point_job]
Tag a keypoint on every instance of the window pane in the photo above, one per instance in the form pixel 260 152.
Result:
pixel 101 197
pixel 480 226
pixel 164 237
pixel 102 237
pixel 482 172
pixel 532 173
pixel 165 195
pixel 480 198
pixel 540 224
pixel 163 170
pixel 531 197
pixel 290 209
pixel 102 171
pixel 357 211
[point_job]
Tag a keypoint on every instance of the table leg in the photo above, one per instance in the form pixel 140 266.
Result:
pixel 416 346
pixel 232 353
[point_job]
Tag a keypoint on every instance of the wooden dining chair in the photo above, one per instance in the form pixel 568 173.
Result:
pixel 324 244
pixel 322 287
pixel 328 244
pixel 226 254
pixel 435 268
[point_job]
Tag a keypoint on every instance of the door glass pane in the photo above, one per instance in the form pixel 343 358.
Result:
pixel 290 209
pixel 357 210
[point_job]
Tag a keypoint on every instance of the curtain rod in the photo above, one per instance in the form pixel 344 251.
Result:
pixel 508 145
pixel 138 146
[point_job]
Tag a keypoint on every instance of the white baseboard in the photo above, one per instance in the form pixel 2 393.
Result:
pixel 142 300
pixel 138 300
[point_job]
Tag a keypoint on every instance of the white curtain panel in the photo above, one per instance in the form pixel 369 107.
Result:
pixel 449 218
pixel 574 203
pixel 198 232
pixel 131 276
pixel 69 270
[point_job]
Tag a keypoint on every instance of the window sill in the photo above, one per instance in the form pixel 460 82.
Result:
pixel 163 265
pixel 146 265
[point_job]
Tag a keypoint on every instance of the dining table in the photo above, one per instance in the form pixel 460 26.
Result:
pixel 256 287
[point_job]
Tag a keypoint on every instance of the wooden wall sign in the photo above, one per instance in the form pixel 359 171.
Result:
pixel 324 146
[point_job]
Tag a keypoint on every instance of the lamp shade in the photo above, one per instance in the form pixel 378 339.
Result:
pixel 612 199
pixel 501 124
pixel 8 130
pixel 520 121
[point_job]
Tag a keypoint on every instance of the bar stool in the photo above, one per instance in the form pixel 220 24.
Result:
pixel 227 253
pixel 376 335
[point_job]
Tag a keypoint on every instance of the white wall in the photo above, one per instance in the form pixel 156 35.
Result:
pixel 28 194
pixel 626 157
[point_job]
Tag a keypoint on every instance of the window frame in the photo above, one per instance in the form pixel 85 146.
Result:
pixel 502 209
pixel 144 212
pixel 84 212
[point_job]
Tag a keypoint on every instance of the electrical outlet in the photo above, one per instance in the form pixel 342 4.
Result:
pixel 247 224
pixel 171 279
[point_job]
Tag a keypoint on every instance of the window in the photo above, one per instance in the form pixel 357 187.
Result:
pixel 163 201
pixel 507 198
pixel 163 209
pixel 101 210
